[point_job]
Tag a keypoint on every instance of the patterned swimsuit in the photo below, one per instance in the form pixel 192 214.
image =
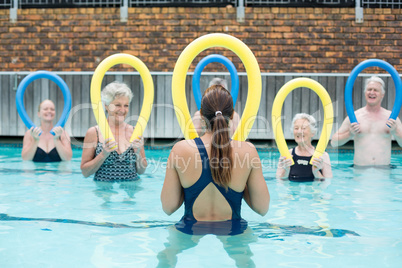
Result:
pixel 117 167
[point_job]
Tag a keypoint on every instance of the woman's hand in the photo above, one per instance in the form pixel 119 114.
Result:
pixel 318 166
pixel 109 146
pixel 35 132
pixel 138 144
pixel 318 163
pixel 58 131
pixel 284 163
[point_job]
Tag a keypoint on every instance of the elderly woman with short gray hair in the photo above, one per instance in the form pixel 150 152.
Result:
pixel 304 127
pixel 117 160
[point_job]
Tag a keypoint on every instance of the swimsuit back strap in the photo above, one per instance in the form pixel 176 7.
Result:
pixel 201 149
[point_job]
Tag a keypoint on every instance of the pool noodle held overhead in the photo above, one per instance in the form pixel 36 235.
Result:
pixel 234 91
pixel 277 110
pixel 179 79
pixel 351 80
pixel 96 83
pixel 19 97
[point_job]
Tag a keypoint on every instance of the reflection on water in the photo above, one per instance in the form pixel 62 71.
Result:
pixel 33 169
pixel 237 247
pixel 106 191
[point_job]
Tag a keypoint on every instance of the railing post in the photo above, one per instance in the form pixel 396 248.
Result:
pixel 13 11
pixel 124 11
pixel 240 11
pixel 358 11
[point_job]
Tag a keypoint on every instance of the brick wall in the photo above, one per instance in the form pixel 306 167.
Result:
pixel 283 39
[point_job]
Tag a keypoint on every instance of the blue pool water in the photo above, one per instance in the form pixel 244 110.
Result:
pixel 51 216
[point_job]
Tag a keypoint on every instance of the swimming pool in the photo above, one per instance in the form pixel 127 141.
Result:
pixel 51 216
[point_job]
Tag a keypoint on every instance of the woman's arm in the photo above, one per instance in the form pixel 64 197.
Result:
pixel 256 192
pixel 30 143
pixel 62 143
pixel 172 194
pixel 138 146
pixel 142 163
pixel 89 163
pixel 283 167
pixel 322 167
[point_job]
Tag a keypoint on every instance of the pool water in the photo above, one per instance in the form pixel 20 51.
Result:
pixel 51 216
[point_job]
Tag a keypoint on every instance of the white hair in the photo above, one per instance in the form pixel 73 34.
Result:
pixel 219 82
pixel 114 90
pixel 312 122
pixel 375 79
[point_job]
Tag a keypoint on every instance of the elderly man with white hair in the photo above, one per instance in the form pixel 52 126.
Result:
pixel 373 133
pixel 304 127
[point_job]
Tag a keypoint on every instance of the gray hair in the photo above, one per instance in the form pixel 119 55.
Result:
pixel 375 79
pixel 219 82
pixel 309 118
pixel 114 90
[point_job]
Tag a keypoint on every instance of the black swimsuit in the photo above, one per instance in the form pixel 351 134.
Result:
pixel 302 170
pixel 42 156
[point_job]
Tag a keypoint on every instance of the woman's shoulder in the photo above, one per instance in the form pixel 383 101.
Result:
pixel 92 133
pixel 184 146
pixel 92 130
pixel 243 147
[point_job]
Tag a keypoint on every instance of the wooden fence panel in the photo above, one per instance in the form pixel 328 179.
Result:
pixel 163 122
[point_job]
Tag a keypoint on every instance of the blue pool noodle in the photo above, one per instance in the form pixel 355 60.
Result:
pixel 351 80
pixel 19 97
pixel 234 77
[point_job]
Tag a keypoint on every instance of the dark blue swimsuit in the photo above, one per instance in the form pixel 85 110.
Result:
pixel 302 170
pixel 189 225
pixel 42 156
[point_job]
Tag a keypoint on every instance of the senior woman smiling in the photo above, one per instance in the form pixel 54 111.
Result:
pixel 117 160
pixel 304 127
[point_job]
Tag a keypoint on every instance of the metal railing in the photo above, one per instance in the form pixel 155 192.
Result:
pixel 136 3
pixel 112 3
pixel 312 3
pixel 239 4
pixel 396 4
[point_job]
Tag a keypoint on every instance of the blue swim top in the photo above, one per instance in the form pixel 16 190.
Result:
pixel 188 223
pixel 117 167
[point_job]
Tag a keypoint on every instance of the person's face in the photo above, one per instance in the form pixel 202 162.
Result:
pixel 302 131
pixel 118 108
pixel 47 111
pixel 373 94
